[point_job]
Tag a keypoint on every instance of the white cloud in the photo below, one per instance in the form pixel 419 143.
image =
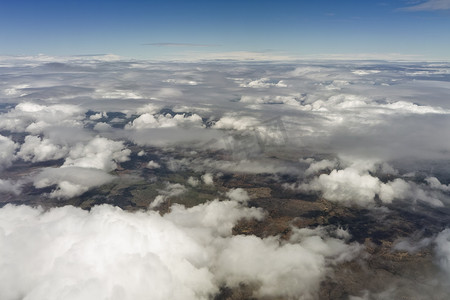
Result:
pixel 263 83
pixel 362 107
pixel 365 56
pixel 99 153
pixel 238 195
pixel 193 181
pixel 289 100
pixel 117 94
pixel 171 190
pixel 153 165
pixel 365 72
pixel 98 116
pixel 307 250
pixel 347 186
pixel 412 246
pixel 208 179
pixel 181 81
pixel 355 185
pixel 7 151
pixel 149 108
pixel 317 166
pixel 434 183
pixel 407 107
pixel 348 102
pixel 442 249
pixel 440 243
pixel 70 181
pixel 144 121
pixel 15 90
pixel 35 149
pixel 430 5
pixel 8 186
pixel 318 241
pixel 148 120
pixel 185 254
pixel 102 127
pixel 128 256
pixel 397 188
pixel 233 121
pixel 35 118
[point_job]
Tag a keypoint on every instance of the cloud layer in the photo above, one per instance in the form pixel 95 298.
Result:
pixel 339 142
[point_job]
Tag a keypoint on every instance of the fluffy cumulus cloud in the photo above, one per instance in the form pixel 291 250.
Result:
pixel 35 118
pixel 153 165
pixel 238 195
pixel 108 253
pixel 208 178
pixel 356 185
pixel 148 120
pixel 98 153
pixel 235 122
pixel 349 102
pixel 263 83
pixel 85 166
pixel 192 181
pixel 98 116
pixel 36 149
pixel 7 151
pixel 290 259
pixel 347 186
pixel 104 254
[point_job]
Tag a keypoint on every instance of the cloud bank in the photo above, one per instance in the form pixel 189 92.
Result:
pixel 313 142
pixel 108 253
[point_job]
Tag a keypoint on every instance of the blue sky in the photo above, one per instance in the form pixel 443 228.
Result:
pixel 195 29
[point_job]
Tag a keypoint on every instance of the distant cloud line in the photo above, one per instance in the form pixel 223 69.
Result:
pixel 180 45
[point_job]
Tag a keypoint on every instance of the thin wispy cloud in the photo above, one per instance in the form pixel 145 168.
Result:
pixel 180 45
pixel 240 55
pixel 429 5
